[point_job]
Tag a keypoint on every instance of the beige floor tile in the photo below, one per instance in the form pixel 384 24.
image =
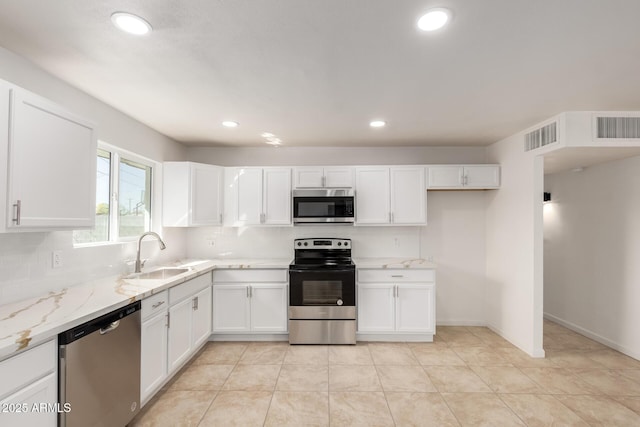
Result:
pixel 459 336
pixel 601 410
pixel 633 374
pixel 221 354
pixel 550 327
pixel 420 409
pixel 520 359
pixel 307 355
pixel 539 410
pixel 504 379
pixel 264 354
pixel 481 410
pixel 202 377
pixel 632 402
pixel 298 409
pixel 559 381
pixel 613 359
pixel 303 378
pixel 572 359
pixel 353 378
pixel 359 409
pixel 253 378
pixel 238 408
pixel 481 356
pixel 404 378
pixel 175 408
pixel 489 337
pixel 609 382
pixel 570 341
pixel 456 379
pixel 392 354
pixel 350 355
pixel 437 356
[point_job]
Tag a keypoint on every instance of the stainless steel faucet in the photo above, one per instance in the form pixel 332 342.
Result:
pixel 139 263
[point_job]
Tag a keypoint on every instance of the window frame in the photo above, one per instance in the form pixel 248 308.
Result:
pixel 116 154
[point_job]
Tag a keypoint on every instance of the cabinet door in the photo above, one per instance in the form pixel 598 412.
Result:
pixel 42 392
pixel 52 166
pixel 372 195
pixel 269 307
pixel 206 195
pixel 338 177
pixel 482 176
pixel 201 317
pixel 408 195
pixel 179 334
pixel 153 366
pixel 231 308
pixel 415 308
pixel 308 177
pixel 376 306
pixel 249 188
pixel 444 176
pixel 277 196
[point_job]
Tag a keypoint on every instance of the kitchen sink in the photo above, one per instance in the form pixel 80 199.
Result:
pixel 159 274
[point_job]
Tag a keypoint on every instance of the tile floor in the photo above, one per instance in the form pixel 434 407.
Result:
pixel 468 377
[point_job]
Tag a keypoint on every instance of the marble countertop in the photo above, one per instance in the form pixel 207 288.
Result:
pixel 417 263
pixel 27 323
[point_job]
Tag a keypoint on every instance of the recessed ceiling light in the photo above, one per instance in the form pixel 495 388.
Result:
pixel 230 124
pixel 273 141
pixel 434 19
pixel 267 135
pixel 130 23
pixel 377 123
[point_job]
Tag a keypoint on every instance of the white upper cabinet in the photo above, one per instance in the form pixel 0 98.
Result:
pixel 323 177
pixel 192 194
pixel 390 195
pixel 257 196
pixel 50 155
pixel 455 177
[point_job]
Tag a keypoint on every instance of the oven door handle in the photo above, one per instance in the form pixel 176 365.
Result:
pixel 346 270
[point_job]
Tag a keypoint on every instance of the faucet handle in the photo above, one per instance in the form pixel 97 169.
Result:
pixel 142 262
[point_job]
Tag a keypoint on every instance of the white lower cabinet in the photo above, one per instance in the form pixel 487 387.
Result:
pixel 175 323
pixel 396 302
pixel 241 304
pixel 29 387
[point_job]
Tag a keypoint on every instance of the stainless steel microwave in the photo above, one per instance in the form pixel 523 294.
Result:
pixel 323 206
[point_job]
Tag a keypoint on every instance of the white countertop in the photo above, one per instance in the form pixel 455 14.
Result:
pixel 417 263
pixel 27 323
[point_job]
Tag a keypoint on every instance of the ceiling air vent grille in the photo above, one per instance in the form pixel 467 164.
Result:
pixel 540 137
pixel 618 127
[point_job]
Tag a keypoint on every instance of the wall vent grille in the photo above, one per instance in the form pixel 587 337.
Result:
pixel 540 137
pixel 618 127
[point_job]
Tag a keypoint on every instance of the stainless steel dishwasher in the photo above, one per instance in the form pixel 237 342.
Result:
pixel 100 370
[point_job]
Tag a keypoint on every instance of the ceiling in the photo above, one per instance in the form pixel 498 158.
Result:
pixel 315 72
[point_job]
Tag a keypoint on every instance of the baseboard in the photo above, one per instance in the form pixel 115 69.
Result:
pixel 249 337
pixel 460 323
pixel 394 337
pixel 592 335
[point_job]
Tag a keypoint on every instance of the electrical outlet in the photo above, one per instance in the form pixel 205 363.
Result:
pixel 211 242
pixel 56 259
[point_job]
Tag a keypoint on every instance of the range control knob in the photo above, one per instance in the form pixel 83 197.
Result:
pixel 299 243
pixel 306 243
pixel 346 243
pixel 339 243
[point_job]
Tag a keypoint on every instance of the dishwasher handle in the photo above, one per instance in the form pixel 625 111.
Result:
pixel 112 327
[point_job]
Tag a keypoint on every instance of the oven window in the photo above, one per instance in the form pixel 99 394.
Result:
pixel 321 292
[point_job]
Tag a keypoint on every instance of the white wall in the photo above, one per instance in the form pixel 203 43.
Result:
pixel 454 236
pixel 514 247
pixel 25 258
pixel 592 252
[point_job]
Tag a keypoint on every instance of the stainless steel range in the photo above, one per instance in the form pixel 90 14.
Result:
pixel 322 292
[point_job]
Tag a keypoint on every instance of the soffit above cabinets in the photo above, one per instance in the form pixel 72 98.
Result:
pixel 315 73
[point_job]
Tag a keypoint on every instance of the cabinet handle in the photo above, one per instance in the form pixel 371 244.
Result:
pixel 465 180
pixel 392 218
pixel 389 216
pixel 158 304
pixel 397 275
pixel 194 304
pixel 248 295
pixel 168 319
pixel 324 181
pixel 250 292
pixel 18 206
pixel 220 218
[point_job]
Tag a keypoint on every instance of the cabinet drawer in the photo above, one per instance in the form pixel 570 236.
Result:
pixel 155 304
pixel 396 275
pixel 189 288
pixel 25 368
pixel 264 275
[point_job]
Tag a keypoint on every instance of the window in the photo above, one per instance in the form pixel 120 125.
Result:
pixel 123 197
